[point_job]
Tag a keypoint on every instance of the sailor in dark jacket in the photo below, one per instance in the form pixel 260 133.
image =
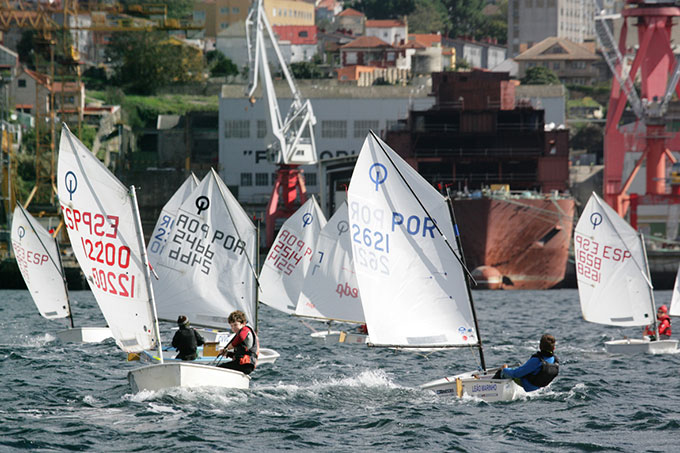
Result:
pixel 186 340
pixel 539 370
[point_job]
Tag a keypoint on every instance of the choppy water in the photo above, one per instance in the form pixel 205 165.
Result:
pixel 58 397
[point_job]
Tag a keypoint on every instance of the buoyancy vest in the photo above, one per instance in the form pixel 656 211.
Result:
pixel 665 325
pixel 245 355
pixel 547 373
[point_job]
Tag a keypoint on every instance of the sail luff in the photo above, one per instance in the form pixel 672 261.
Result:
pixel 147 272
pixel 63 274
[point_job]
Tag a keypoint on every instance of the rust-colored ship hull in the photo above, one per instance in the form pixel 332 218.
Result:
pixel 524 239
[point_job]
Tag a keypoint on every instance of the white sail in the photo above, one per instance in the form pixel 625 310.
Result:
pixel 166 219
pixel 206 270
pixel 38 259
pixel 101 218
pixel 330 290
pixel 675 298
pixel 611 268
pixel 413 288
pixel 289 256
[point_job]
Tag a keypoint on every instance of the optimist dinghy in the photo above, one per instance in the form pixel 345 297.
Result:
pixel 39 260
pixel 413 282
pixel 330 291
pixel 613 280
pixel 102 220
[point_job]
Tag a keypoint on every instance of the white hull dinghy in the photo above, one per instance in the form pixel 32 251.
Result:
pixel 267 356
pixel 101 214
pixel 613 279
pixel 413 282
pixel 641 345
pixel 84 335
pixel 476 385
pixel 185 374
pixel 39 260
pixel 338 336
pixel 205 264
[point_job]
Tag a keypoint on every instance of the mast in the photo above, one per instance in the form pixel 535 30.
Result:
pixel 467 277
pixel 63 276
pixel 651 289
pixel 147 273
pixel 257 267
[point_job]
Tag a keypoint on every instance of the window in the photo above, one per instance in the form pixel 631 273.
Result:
pixel 22 83
pixel 199 16
pixel 310 179
pixel 261 179
pixel 223 25
pixel 246 179
pixel 303 34
pixel 261 128
pixel 390 56
pixel 528 3
pixel 237 129
pixel 361 127
pixel 224 10
pixel 350 57
pixel 556 65
pixel 333 129
pixel 235 10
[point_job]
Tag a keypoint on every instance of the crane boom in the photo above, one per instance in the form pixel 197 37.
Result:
pixel 294 134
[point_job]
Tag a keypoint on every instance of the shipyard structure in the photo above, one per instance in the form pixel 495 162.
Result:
pixel 507 173
pixel 477 132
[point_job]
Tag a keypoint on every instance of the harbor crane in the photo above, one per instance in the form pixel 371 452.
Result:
pixel 649 134
pixel 290 138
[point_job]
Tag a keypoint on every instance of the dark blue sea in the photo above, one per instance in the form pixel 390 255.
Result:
pixel 340 398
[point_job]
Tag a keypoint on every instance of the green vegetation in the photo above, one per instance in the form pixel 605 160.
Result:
pixel 540 75
pixel 142 111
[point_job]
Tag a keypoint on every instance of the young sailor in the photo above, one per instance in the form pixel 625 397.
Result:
pixel 538 371
pixel 664 322
pixel 245 345
pixel 186 340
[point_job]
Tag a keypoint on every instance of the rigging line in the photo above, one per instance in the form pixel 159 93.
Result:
pixel 446 241
pixel 250 264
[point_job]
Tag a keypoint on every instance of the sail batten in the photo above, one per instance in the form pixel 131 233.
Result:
pixel 409 279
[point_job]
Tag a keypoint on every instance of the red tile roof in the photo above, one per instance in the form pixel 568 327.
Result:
pixel 384 23
pixel 292 33
pixel 366 42
pixel 350 12
pixel 426 39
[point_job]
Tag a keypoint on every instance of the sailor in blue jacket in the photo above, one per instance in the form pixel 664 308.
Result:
pixel 539 370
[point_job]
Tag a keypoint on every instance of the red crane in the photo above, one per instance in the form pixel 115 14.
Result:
pixel 658 70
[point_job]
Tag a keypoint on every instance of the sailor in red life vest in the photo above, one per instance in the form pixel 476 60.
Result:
pixel 244 348
pixel 664 323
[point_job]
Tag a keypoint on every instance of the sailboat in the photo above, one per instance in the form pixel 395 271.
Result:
pixel 206 269
pixel 330 290
pixel 414 288
pixel 613 279
pixel 290 256
pixel 39 260
pixel 674 309
pixel 103 224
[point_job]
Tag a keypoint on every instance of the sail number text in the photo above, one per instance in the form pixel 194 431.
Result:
pixel 590 256
pixel 288 251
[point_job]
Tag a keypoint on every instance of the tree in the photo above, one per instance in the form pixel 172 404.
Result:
pixel 220 65
pixel 496 25
pixel 429 16
pixel 384 9
pixel 305 70
pixel 143 62
pixel 590 138
pixel 466 17
pixel 540 75
pixel 176 9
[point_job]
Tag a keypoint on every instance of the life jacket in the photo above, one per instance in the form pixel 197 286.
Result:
pixel 186 340
pixel 547 373
pixel 665 320
pixel 245 355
